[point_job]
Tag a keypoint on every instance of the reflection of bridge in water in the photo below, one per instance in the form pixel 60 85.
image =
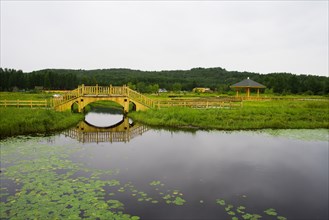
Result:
pixel 123 131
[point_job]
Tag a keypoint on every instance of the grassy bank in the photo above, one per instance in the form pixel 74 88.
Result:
pixel 25 95
pixel 106 104
pixel 16 121
pixel 253 115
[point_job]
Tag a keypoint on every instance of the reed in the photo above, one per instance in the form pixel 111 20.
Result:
pixel 16 121
pixel 280 114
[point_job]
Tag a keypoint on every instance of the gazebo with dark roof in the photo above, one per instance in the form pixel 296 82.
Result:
pixel 247 84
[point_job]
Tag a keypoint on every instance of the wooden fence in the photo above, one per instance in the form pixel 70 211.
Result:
pixel 25 103
pixel 201 103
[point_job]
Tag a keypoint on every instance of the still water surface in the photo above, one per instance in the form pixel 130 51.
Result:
pixel 286 170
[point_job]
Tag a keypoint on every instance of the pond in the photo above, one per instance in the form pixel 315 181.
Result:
pixel 100 171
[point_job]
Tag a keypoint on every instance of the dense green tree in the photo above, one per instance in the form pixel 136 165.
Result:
pixel 153 88
pixel 177 87
pixel 215 78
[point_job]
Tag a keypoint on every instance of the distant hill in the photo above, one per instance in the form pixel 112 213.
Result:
pixel 218 79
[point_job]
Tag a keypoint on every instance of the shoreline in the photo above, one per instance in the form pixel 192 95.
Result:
pixel 254 115
pixel 24 121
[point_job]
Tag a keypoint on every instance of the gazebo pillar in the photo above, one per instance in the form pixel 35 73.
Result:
pixel 248 92
pixel 257 92
pixel 237 93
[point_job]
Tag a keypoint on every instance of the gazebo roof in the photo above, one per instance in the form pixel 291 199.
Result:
pixel 247 83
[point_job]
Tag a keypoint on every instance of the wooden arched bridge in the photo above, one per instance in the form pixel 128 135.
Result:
pixel 85 95
pixel 120 132
pixel 123 95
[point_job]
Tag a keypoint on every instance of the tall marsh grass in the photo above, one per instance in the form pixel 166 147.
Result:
pixel 253 115
pixel 24 96
pixel 15 121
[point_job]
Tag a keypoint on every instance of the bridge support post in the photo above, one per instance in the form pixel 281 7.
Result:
pixel 126 123
pixel 124 90
pixel 126 106
pixel 80 104
pixel 82 89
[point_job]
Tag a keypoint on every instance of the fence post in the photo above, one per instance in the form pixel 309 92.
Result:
pixel 110 89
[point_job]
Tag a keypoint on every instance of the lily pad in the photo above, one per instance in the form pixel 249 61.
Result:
pixel 271 212
pixel 220 202
pixel 179 201
pixel 155 183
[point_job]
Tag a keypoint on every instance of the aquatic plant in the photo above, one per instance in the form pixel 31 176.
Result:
pixel 51 190
pixel 242 212
pixel 271 212
pixel 178 201
pixel 220 202
pixel 155 183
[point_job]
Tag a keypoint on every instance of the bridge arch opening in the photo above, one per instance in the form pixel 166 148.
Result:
pixel 104 114
pixel 132 106
pixel 75 107
pixel 105 106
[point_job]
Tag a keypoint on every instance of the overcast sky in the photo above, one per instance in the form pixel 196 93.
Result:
pixel 257 36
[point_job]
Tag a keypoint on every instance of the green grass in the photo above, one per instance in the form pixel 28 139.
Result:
pixel 279 114
pixel 106 104
pixel 24 95
pixel 16 121
pixel 171 95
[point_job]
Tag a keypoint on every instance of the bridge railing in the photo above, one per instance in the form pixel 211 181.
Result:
pixel 139 97
pixel 107 136
pixel 101 90
pixel 66 97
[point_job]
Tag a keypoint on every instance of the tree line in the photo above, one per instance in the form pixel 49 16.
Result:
pixel 217 79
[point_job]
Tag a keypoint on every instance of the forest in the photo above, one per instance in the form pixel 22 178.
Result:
pixel 217 79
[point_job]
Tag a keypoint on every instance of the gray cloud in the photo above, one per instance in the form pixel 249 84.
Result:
pixel 252 36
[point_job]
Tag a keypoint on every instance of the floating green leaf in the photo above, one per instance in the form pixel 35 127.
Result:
pixel 155 183
pixel 247 216
pixel 179 201
pixel 228 207
pixel 121 190
pixel 256 217
pixel 166 197
pixel 240 209
pixel 271 212
pixel 220 202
